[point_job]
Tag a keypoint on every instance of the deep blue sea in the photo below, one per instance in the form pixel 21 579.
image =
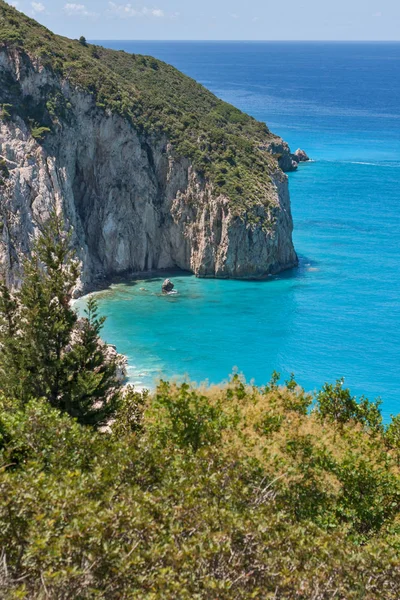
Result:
pixel 338 315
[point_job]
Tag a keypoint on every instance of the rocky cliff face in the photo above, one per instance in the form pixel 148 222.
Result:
pixel 133 204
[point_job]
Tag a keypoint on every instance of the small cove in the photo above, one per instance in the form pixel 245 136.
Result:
pixel 337 315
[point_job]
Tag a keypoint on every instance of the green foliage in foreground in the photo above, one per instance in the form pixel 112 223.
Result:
pixel 224 144
pixel 226 492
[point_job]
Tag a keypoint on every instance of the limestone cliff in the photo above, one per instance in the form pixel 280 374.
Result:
pixel 134 201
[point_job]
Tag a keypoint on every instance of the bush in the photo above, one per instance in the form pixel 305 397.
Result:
pixel 392 437
pixel 39 133
pixel 5 112
pixel 187 497
pixel 189 418
pixel 4 172
pixel 10 36
pixel 336 403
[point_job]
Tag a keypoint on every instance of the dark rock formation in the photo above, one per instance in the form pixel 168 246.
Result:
pixel 301 156
pixel 281 151
pixel 167 286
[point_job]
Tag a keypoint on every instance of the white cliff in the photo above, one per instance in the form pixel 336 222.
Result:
pixel 132 202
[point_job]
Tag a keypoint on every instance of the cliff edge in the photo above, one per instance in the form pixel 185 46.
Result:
pixel 150 169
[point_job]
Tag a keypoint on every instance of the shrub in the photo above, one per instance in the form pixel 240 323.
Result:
pixel 308 511
pixel 4 172
pixel 5 112
pixel 336 403
pixel 39 133
pixel 10 36
pixel 188 418
pixel 392 437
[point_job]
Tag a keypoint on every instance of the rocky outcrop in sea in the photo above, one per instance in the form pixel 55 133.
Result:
pixel 167 286
pixel 301 156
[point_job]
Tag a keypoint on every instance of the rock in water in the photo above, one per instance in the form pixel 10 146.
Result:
pixel 301 156
pixel 167 286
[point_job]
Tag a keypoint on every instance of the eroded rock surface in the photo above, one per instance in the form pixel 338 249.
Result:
pixel 301 156
pixel 132 203
pixel 167 286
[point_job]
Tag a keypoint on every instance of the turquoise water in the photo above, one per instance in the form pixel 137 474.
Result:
pixel 338 315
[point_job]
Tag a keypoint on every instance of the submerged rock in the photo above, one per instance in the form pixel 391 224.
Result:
pixel 167 286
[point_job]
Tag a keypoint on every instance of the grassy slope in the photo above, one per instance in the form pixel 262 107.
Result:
pixel 220 140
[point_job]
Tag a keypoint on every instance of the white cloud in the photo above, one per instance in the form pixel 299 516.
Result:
pixel 122 10
pixel 127 10
pixel 38 7
pixel 156 12
pixel 377 14
pixel 234 16
pixel 77 10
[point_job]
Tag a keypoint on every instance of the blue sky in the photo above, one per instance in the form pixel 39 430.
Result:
pixel 219 19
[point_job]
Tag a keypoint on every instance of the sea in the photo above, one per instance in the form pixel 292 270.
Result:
pixel 338 314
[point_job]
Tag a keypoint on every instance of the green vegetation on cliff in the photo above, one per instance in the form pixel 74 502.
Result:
pixel 191 493
pixel 222 142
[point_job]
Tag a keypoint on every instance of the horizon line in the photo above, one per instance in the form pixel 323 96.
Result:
pixel 249 41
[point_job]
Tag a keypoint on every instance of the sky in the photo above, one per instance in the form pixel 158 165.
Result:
pixel 219 19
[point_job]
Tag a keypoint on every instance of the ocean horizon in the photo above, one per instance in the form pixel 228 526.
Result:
pixel 221 41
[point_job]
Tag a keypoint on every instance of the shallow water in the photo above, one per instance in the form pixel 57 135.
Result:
pixel 339 313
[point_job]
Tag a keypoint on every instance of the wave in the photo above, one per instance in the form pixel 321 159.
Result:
pixel 386 165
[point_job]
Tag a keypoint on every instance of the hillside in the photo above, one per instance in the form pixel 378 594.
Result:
pixel 211 170
pixel 221 141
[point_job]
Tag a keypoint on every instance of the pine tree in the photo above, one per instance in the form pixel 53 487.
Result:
pixel 46 351
pixel 9 342
pixel 92 382
pixel 46 317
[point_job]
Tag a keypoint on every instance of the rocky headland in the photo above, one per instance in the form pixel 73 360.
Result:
pixel 150 170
